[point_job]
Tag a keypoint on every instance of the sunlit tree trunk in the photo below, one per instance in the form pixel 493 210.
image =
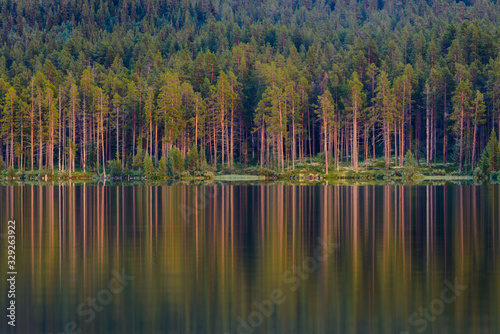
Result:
pixel 479 109
pixel 61 132
pixel 32 125
pixel 428 126
pixel 231 150
pixel 325 140
pixel 262 130
pixel 357 101
pixel 51 133
pixel 402 124
pixel 40 129
pixel 445 129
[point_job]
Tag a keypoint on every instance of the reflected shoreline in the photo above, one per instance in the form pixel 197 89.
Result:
pixel 203 254
pixel 424 182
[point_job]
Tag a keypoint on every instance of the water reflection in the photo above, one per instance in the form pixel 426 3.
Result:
pixel 205 256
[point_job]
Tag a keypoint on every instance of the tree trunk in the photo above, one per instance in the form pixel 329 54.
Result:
pixel 294 149
pixel 427 126
pixel 445 133
pixel 355 136
pixel 40 133
pixel 387 144
pixel 325 139
pixel 473 158
pixel 461 133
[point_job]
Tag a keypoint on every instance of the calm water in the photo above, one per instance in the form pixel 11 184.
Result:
pixel 253 259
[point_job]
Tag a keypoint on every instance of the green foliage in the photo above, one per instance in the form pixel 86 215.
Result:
pixel 79 175
pixel 410 166
pixel 138 69
pixel 64 174
pixel 136 174
pixel 203 161
pixel 320 158
pixel 162 166
pixel 175 162
pixel 479 173
pixel 138 160
pixel 204 174
pixel 490 161
pixel 2 164
pixel 495 176
pixel 148 166
pixel 192 159
pixel 115 167
pixel 11 172
pixel 244 153
pixel 47 173
pixel 128 162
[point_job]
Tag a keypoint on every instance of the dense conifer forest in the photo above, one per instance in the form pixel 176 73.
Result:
pixel 95 84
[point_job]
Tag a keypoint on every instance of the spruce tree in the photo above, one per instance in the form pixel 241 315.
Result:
pixel 492 153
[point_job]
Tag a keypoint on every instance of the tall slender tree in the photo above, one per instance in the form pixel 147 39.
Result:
pixel 356 102
pixel 326 113
pixel 8 123
pixel 461 116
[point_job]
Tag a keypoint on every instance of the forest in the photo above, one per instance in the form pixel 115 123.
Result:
pixel 91 85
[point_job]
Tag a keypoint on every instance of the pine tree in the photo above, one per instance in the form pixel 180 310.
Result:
pixel 170 110
pixel 261 113
pixel 221 98
pixel 150 119
pixel 477 120
pixel 355 104
pixel 118 115
pixel 403 90
pixel 73 116
pixel 148 166
pixel 52 120
pixel 87 87
pixel 491 155
pixel 326 113
pixel 493 85
pixel 8 123
pixel 461 115
pixel 162 166
pixel 385 105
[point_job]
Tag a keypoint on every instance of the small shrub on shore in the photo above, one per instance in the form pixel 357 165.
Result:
pixel 115 167
pixel 192 159
pixel 410 166
pixel 479 174
pixel 11 173
pixel 490 161
pixel 175 162
pixel 320 158
pixel 494 176
pixel 162 166
pixel 63 174
pixel 148 166
pixel 138 159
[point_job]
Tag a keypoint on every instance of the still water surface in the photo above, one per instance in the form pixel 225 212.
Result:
pixel 253 259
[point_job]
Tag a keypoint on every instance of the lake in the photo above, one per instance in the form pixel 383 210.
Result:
pixel 267 258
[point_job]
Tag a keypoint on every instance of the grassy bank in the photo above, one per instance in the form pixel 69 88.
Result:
pixel 309 171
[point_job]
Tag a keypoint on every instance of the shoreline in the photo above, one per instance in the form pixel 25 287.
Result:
pixel 310 179
pixel 303 173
